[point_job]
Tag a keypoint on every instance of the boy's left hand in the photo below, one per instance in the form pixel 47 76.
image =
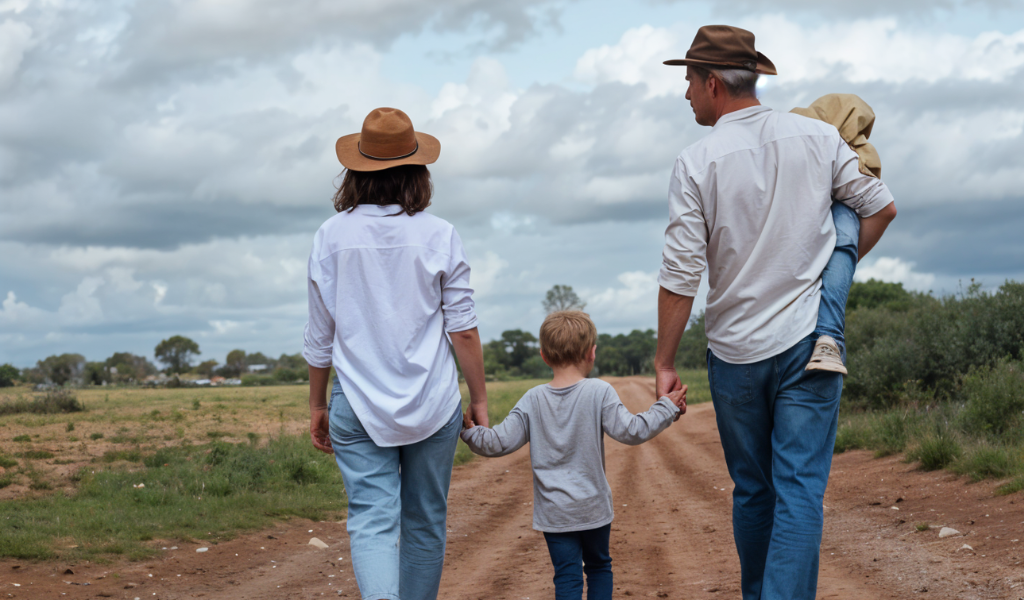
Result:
pixel 678 398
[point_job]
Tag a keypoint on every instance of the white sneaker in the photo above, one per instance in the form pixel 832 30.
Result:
pixel 826 356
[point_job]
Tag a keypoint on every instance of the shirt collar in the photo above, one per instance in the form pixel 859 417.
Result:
pixel 379 210
pixel 740 114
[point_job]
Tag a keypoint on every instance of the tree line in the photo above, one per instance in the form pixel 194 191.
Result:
pixel 176 354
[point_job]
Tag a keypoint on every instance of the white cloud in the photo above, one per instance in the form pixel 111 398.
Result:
pixel 485 273
pixel 859 51
pixel 634 300
pixel 895 270
pixel 15 39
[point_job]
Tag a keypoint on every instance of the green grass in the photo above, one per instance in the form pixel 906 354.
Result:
pixel 935 438
pixel 95 436
pixel 188 492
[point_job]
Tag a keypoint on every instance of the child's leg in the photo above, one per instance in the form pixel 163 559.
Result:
pixel 836 280
pixel 597 563
pixel 567 558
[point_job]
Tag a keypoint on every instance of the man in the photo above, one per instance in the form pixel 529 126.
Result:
pixel 752 202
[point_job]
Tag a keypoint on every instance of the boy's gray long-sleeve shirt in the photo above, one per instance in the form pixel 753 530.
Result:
pixel 565 428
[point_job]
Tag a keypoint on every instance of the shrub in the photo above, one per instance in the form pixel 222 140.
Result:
pixel 936 451
pixel 253 379
pixel 95 436
pixel 891 433
pixel 985 462
pixel 995 400
pixel 54 401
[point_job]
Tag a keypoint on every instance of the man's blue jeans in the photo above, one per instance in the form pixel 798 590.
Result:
pixel 397 505
pixel 778 428
pixel 574 553
pixel 778 424
pixel 837 277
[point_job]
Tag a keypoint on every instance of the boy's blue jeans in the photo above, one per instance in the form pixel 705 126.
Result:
pixel 574 553
pixel 397 494
pixel 837 277
pixel 778 423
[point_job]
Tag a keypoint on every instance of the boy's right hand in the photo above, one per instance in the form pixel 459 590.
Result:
pixel 678 398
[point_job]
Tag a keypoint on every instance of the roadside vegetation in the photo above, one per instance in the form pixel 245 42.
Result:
pixel 938 379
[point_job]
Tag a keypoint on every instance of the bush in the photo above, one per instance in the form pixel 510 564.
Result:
pixel 983 462
pixel 891 434
pixel 8 375
pixel 55 400
pixel 995 400
pixel 254 379
pixel 936 451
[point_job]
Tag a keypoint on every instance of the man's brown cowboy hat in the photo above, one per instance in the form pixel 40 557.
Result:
pixel 387 140
pixel 725 47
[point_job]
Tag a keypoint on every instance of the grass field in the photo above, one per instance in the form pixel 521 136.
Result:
pixel 142 468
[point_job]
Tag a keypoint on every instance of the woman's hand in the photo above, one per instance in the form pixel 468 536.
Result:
pixel 319 420
pixel 320 429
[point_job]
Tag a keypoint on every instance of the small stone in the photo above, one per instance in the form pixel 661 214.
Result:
pixel 946 532
pixel 318 543
pixel 129 586
pixel 68 572
pixel 965 547
pixel 201 549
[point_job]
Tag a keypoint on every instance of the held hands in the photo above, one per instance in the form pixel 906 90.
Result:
pixel 678 397
pixel 475 415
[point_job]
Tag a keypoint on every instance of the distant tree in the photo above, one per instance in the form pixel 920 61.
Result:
pixel 125 367
pixel 519 346
pixel 95 373
pixel 258 358
pixel 873 294
pixel 8 375
pixel 205 368
pixel 234 364
pixel 176 352
pixel 293 361
pixel 61 369
pixel 693 346
pixel 561 297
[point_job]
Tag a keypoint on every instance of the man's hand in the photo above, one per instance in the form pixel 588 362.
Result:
pixel 678 397
pixel 467 420
pixel 319 430
pixel 666 381
pixel 476 414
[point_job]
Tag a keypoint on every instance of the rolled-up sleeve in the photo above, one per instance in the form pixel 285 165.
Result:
pixel 865 194
pixel 456 294
pixel 686 237
pixel 318 340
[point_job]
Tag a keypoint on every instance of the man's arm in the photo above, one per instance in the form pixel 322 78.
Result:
pixel 872 228
pixel 673 314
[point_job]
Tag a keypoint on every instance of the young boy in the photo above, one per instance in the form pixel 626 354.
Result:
pixel 854 119
pixel 565 422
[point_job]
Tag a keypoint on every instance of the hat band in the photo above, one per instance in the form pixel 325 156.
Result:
pixel 358 147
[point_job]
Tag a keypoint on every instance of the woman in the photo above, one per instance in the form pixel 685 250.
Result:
pixel 388 288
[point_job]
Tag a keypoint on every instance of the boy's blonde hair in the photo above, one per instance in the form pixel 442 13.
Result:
pixel 566 337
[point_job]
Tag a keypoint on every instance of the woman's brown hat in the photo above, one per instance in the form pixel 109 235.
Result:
pixel 387 140
pixel 724 46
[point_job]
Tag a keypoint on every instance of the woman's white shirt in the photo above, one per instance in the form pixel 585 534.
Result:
pixel 383 293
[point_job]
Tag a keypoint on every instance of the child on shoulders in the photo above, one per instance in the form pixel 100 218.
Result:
pixel 565 422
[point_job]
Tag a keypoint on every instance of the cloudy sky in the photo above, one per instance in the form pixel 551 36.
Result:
pixel 164 164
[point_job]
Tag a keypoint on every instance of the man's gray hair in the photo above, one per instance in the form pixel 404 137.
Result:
pixel 737 82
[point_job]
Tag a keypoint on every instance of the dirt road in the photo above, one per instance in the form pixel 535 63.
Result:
pixel 671 537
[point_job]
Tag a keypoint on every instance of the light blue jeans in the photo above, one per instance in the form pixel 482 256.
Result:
pixel 837 277
pixel 397 505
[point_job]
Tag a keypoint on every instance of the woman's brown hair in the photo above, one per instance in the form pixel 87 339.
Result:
pixel 409 186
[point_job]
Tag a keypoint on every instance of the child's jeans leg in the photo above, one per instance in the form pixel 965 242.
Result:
pixel 597 563
pixel 566 552
pixel 574 553
pixel 837 277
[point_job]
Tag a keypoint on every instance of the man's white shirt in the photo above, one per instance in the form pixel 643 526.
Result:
pixel 751 202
